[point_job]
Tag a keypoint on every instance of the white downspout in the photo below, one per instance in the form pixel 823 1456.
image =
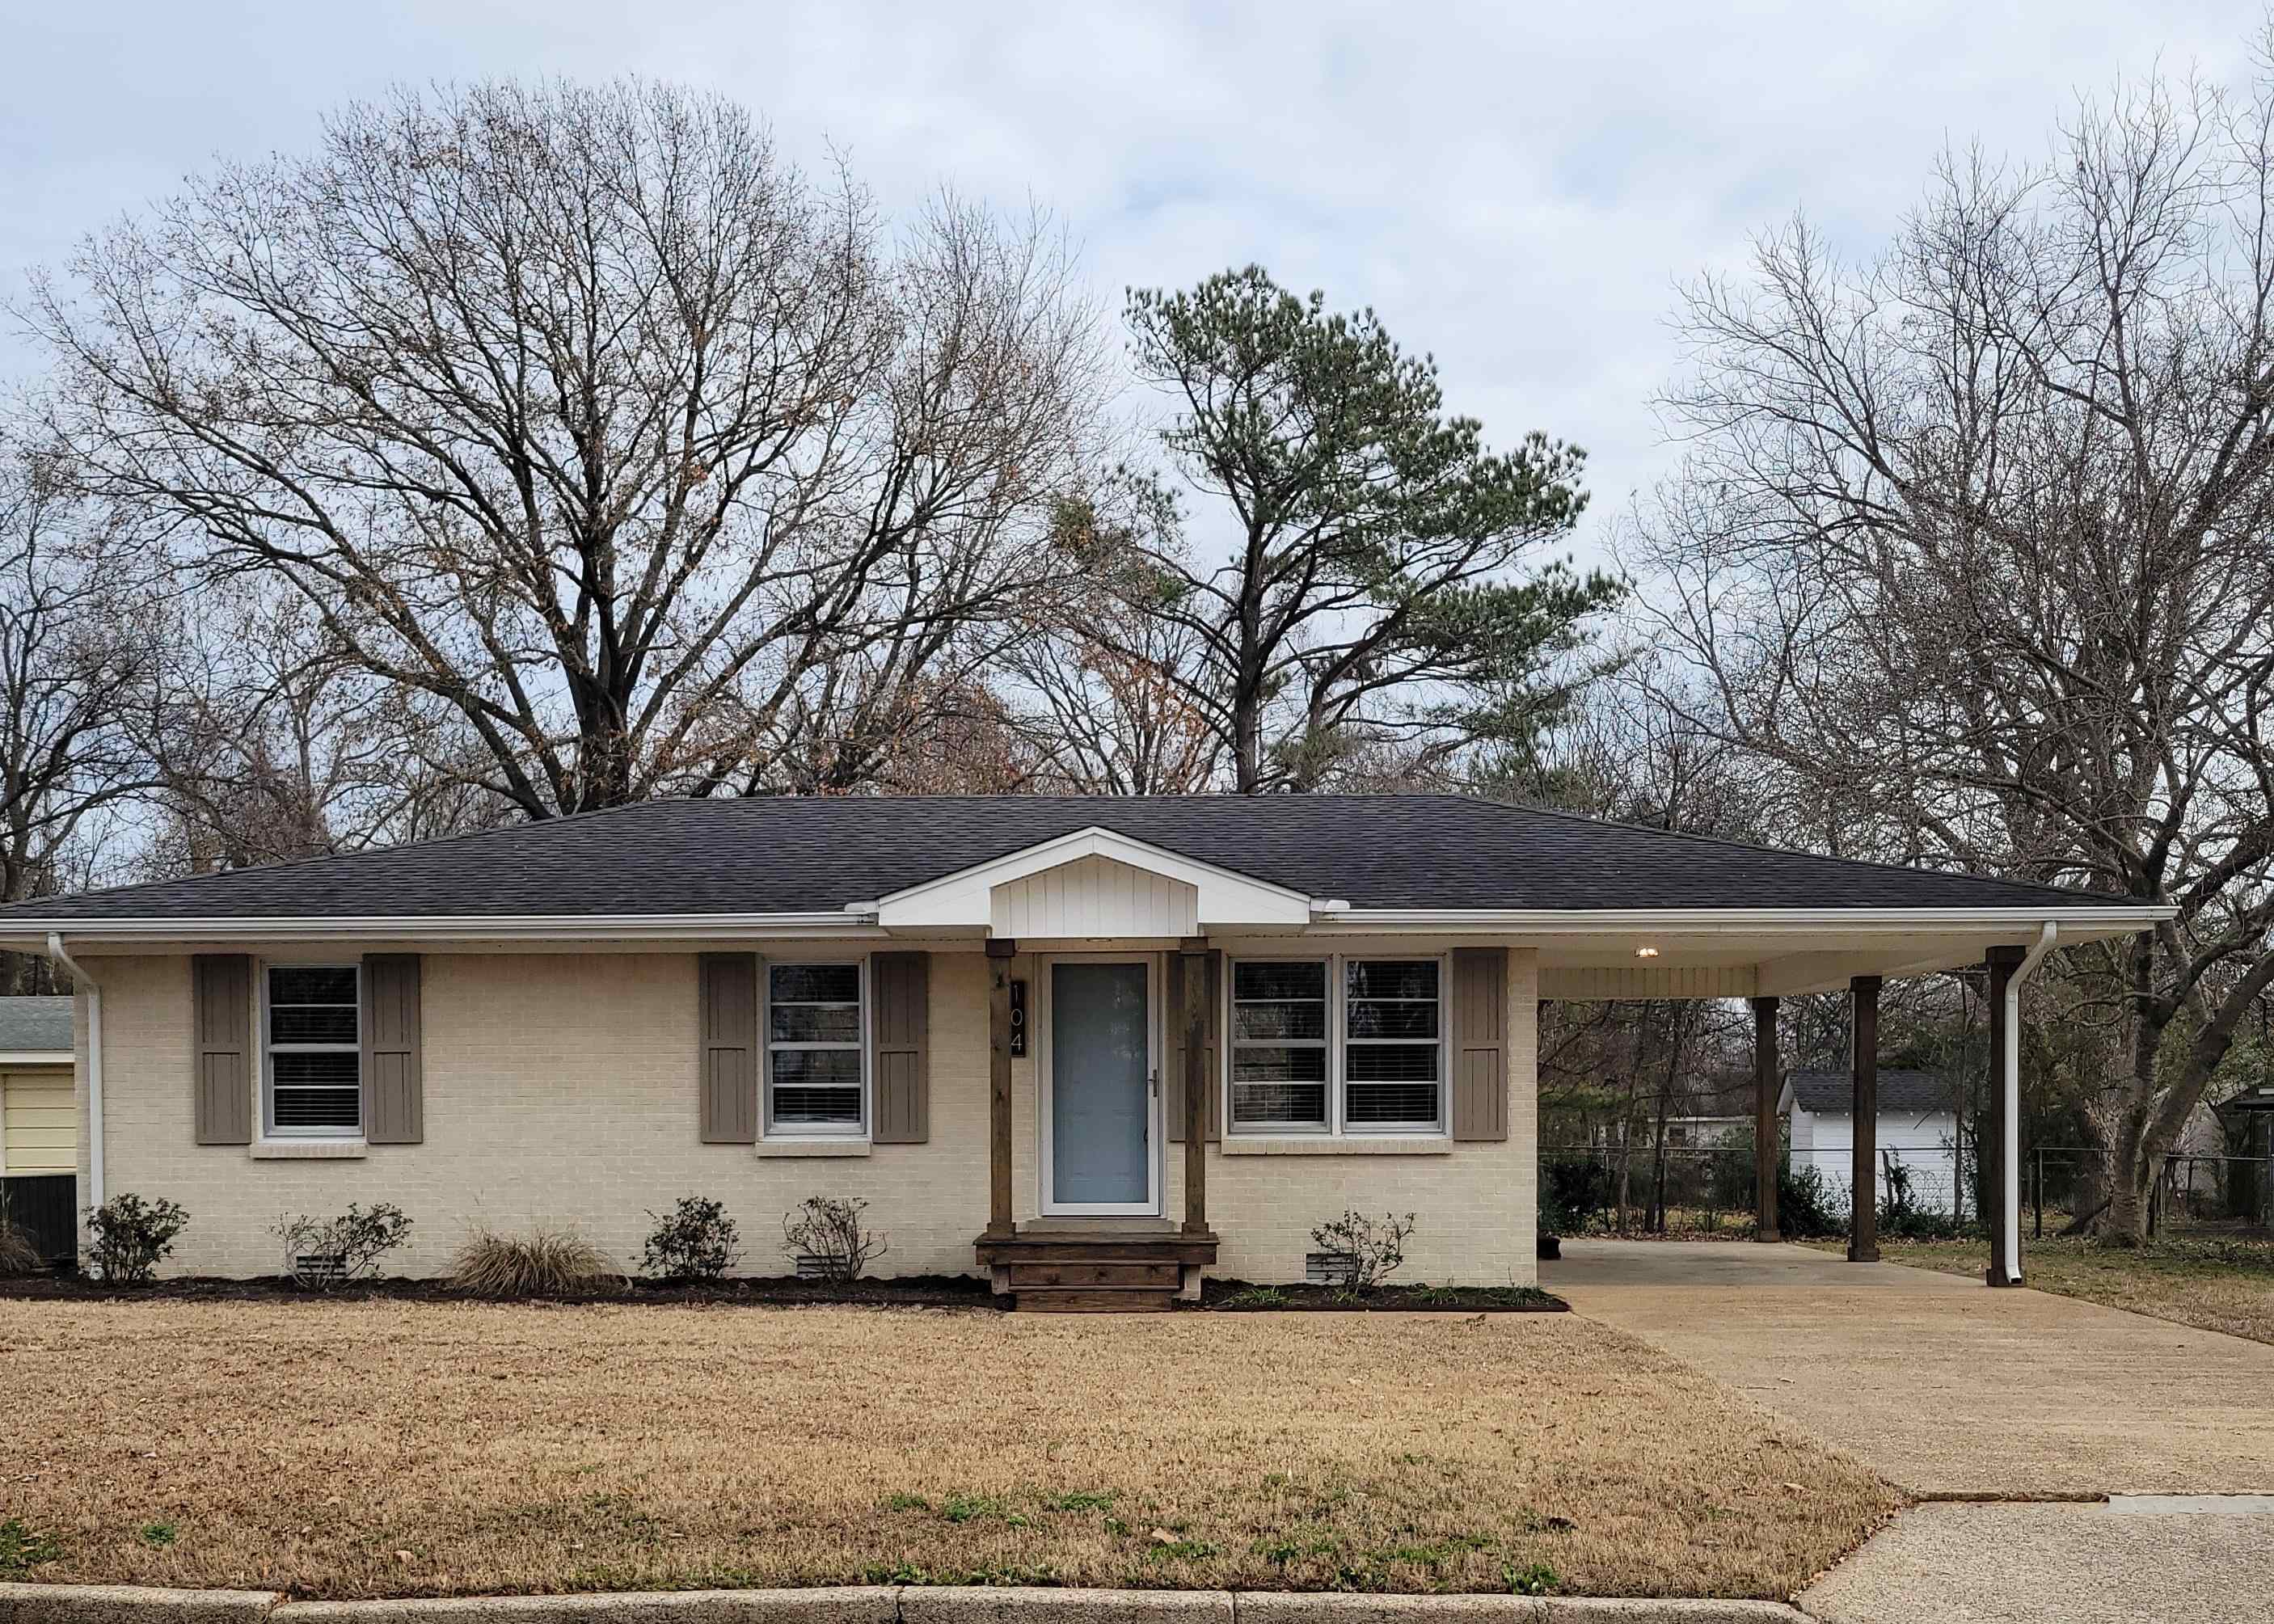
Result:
pixel 56 952
pixel 2009 1142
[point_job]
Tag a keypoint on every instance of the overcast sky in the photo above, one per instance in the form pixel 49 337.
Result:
pixel 1515 188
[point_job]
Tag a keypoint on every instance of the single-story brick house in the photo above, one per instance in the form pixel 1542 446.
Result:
pixel 1150 1037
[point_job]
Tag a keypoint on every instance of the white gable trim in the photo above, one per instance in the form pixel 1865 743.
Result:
pixel 965 900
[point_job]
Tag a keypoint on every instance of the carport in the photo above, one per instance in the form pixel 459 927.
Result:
pixel 1765 955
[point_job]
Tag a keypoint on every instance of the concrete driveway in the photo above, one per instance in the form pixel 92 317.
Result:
pixel 1952 1390
pixel 1939 1383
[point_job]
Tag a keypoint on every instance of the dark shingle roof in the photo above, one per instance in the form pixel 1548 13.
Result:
pixel 816 854
pixel 1901 1093
pixel 32 1025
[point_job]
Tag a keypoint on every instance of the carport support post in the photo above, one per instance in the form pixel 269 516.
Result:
pixel 1999 1150
pixel 999 953
pixel 1863 1177
pixel 1192 965
pixel 1765 1119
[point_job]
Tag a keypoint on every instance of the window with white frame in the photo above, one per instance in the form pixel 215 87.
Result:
pixel 814 1052
pixel 1279 1043
pixel 312 1049
pixel 1393 1043
pixel 1337 1045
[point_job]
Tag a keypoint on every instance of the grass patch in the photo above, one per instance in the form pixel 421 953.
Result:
pixel 22 1549
pixel 366 1448
pixel 2214 1283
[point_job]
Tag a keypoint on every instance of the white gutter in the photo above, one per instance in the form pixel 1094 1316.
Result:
pixel 1766 920
pixel 452 928
pixel 2009 1140
pixel 56 952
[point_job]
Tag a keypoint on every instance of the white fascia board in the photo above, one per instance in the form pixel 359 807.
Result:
pixel 98 933
pixel 1748 922
pixel 964 899
pixel 36 1057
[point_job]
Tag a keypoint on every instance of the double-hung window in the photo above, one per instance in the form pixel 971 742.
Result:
pixel 311 1050
pixel 1337 1045
pixel 815 1054
pixel 1393 1046
pixel 1279 1044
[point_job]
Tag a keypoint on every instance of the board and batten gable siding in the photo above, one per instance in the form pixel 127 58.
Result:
pixel 39 1122
pixel 563 1089
pixel 1094 896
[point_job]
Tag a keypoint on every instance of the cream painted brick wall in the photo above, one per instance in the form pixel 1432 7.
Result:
pixel 559 1089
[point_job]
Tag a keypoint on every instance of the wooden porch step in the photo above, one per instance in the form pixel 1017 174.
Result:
pixel 1059 1246
pixel 1119 1272
pixel 1097 1300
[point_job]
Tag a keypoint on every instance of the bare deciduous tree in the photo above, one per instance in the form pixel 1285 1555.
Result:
pixel 76 634
pixel 579 413
pixel 1973 553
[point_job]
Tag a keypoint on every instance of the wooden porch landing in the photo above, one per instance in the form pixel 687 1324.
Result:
pixel 1103 1267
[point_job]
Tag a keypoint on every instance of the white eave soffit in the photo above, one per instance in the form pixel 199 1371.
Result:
pixel 965 900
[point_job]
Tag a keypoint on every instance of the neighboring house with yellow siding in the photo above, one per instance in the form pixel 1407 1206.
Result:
pixel 39 1130
pixel 39 1122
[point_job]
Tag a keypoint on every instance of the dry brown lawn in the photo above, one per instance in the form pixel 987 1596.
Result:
pixel 373 1448
pixel 2212 1283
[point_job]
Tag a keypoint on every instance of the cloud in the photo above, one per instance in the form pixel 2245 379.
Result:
pixel 1516 189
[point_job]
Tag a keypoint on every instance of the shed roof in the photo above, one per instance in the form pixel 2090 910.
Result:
pixel 1901 1092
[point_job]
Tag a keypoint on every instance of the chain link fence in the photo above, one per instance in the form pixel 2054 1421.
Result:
pixel 1924 1190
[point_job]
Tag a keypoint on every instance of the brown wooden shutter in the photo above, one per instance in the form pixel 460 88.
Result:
pixel 1172 1092
pixel 1480 1042
pixel 222 989
pixel 899 1019
pixel 394 1087
pixel 728 1048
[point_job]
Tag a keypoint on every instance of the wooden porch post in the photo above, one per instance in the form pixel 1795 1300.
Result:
pixel 1997 1151
pixel 999 953
pixel 1766 1137
pixel 1192 965
pixel 1863 1180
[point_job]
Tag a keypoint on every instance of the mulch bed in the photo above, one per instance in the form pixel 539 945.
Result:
pixel 1238 1297
pixel 911 1291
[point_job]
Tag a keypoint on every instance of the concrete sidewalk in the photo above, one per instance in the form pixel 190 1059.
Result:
pixel 2055 1565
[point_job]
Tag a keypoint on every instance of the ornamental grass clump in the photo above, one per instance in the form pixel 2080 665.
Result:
pixel 542 1263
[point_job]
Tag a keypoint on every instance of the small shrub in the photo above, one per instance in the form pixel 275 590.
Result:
pixel 697 1241
pixel 320 1253
pixel 829 1231
pixel 547 1263
pixel 128 1237
pixel 1572 1194
pixel 1363 1249
pixel 1808 1207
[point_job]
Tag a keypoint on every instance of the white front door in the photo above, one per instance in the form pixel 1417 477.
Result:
pixel 1101 1080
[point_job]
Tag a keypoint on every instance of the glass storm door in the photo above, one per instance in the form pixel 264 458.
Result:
pixel 1102 1088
